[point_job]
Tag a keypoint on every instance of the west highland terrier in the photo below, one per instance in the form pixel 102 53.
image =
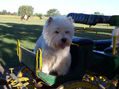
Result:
pixel 55 44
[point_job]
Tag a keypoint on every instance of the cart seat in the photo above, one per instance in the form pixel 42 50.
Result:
pixel 79 49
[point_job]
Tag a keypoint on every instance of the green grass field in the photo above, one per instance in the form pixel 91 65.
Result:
pixel 12 29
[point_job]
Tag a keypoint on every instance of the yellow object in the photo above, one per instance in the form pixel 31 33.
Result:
pixel 100 77
pixel 11 70
pixel 40 59
pixel 107 26
pixel 40 62
pixel 75 44
pixel 23 79
pixel 25 84
pixel 114 45
pixel 25 70
pixel 19 53
pixel 18 45
pixel 115 83
pixel 13 82
pixel 84 26
pixel 92 78
pixel 20 74
pixel 18 83
pixel 78 85
pixel 104 79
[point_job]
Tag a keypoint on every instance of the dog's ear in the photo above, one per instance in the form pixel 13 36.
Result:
pixel 70 20
pixel 50 19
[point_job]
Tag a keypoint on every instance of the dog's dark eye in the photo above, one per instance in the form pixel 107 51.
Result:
pixel 67 32
pixel 56 32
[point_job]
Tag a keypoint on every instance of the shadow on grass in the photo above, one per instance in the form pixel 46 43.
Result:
pixel 20 31
pixel 9 34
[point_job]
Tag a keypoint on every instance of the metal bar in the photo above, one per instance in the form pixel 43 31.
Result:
pixel 114 45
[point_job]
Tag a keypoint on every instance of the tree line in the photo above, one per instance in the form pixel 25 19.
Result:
pixel 5 12
pixel 28 10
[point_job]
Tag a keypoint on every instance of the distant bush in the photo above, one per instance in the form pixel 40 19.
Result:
pixel 5 12
pixel 53 12
pixel 39 15
pixel 25 10
pixel 98 13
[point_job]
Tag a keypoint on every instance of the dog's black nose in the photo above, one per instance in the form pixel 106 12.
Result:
pixel 63 40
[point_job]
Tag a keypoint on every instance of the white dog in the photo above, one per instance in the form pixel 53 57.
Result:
pixel 55 44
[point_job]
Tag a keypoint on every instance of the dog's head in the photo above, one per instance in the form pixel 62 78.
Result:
pixel 58 31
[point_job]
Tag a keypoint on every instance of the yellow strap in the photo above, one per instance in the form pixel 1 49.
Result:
pixel 18 45
pixel 75 44
pixel 114 45
pixel 19 53
pixel 40 60
pixel 107 26
pixel 84 26
pixel 11 70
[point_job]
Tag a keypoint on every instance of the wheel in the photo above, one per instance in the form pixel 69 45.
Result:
pixel 101 81
pixel 78 85
pixel 26 78
pixel 25 72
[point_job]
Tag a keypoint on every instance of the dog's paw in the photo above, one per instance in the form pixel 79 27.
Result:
pixel 53 73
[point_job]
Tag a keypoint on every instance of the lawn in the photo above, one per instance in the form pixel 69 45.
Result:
pixel 97 32
pixel 12 29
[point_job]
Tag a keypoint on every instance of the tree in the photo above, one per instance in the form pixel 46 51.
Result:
pixel 98 13
pixel 53 12
pixel 28 10
pixel 40 15
pixel 4 12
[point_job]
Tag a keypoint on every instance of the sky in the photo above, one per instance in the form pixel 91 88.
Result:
pixel 107 7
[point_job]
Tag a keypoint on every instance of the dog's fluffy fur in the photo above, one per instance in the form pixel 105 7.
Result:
pixel 55 44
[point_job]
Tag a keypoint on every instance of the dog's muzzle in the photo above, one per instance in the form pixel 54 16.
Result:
pixel 63 40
